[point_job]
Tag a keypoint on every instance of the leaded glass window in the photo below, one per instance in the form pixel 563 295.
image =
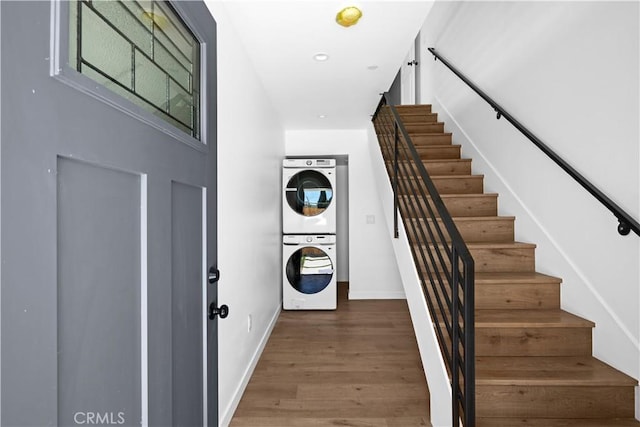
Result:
pixel 143 51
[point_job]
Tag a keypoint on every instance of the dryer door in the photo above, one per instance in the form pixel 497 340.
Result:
pixel 309 192
pixel 309 270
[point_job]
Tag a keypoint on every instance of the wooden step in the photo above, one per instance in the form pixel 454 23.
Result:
pixel 503 257
pixel 432 152
pixel 476 229
pixel 435 167
pixel 458 184
pixel 552 387
pixel 411 117
pixel 531 333
pixel 459 205
pixel 516 291
pixel 445 184
pixel 413 109
pixel 436 127
pixel 441 138
pixel 567 371
pixel 556 422
pixel 491 257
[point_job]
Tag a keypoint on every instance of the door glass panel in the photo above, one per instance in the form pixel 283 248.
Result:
pixel 309 270
pixel 309 193
pixel 141 48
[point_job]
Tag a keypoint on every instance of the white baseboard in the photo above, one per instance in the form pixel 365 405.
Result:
pixel 227 415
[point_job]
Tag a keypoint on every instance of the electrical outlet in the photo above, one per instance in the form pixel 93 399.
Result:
pixel 249 323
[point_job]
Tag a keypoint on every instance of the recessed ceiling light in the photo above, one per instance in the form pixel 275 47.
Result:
pixel 372 67
pixel 320 57
pixel 348 16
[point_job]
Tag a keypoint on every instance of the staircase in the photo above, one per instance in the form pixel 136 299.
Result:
pixel 534 365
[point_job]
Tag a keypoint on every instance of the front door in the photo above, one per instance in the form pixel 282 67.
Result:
pixel 108 217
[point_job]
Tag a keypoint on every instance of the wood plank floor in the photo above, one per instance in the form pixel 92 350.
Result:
pixel 356 366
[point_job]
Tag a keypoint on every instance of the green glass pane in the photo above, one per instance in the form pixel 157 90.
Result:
pixel 164 41
pixel 129 21
pixel 174 29
pixel 104 48
pixel 180 104
pixel 172 67
pixel 151 82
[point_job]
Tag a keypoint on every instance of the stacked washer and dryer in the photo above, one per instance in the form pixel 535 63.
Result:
pixel 309 234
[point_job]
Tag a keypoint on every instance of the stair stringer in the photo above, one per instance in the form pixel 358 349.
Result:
pixel 613 342
pixel 430 354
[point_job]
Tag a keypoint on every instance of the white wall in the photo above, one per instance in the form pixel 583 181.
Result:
pixel 373 272
pixel 250 152
pixel 569 72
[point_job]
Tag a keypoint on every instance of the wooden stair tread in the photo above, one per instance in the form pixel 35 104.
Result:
pixel 500 245
pixel 548 371
pixel 418 134
pixel 553 318
pixel 514 278
pixel 464 195
pixel 477 218
pixel 555 422
pixel 496 245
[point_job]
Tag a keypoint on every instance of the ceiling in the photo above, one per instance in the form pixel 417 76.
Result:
pixel 282 37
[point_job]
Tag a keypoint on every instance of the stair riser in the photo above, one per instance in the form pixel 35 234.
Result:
pixel 503 259
pixel 419 118
pixel 517 297
pixel 485 230
pixel 435 168
pixel 438 152
pixel 555 402
pixel 444 185
pixel 413 109
pixel 431 139
pixel 424 127
pixel 497 260
pixel 479 205
pixel 533 341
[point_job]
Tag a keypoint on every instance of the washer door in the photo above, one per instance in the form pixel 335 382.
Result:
pixel 309 270
pixel 309 193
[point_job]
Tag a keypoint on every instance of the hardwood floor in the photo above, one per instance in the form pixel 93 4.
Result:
pixel 356 366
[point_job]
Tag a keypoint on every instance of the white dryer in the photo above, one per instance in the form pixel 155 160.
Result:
pixel 309 278
pixel 308 196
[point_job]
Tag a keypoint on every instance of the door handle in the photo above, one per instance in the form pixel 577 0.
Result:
pixel 222 311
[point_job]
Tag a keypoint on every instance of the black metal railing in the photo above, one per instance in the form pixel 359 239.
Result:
pixel 626 223
pixel 445 266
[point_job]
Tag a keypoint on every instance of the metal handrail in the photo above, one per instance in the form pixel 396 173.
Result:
pixel 445 265
pixel 626 222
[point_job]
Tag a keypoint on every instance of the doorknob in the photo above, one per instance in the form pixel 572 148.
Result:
pixel 222 311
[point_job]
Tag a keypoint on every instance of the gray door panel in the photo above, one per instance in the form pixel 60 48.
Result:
pixel 187 304
pixel 100 312
pixel 99 288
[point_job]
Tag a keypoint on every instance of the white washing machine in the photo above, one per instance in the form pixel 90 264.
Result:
pixel 309 272
pixel 308 196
